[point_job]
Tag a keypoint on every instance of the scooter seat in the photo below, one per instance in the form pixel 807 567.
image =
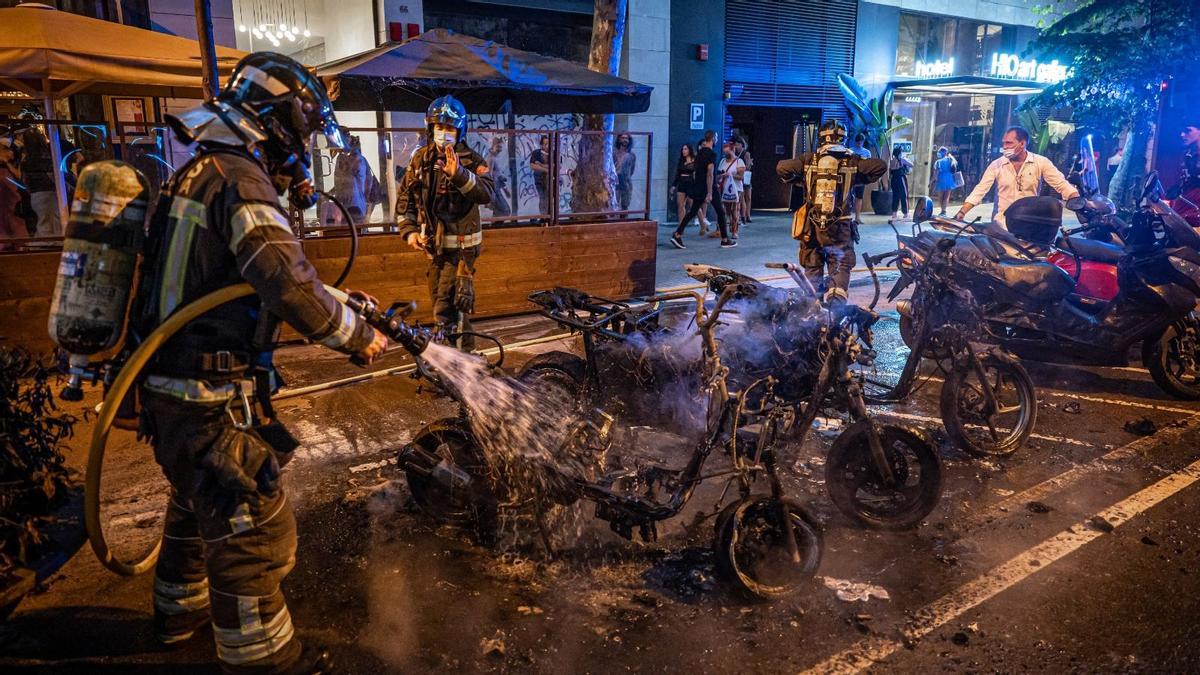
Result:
pixel 1038 281
pixel 1091 249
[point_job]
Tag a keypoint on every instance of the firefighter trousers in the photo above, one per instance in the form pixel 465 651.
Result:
pixel 441 276
pixel 828 252
pixel 220 556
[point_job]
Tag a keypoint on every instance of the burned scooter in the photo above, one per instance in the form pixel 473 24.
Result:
pixel 766 544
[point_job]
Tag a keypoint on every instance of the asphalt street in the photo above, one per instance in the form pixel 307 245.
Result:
pixel 1076 554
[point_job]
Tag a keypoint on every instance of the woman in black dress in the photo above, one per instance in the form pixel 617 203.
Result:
pixel 900 168
pixel 685 176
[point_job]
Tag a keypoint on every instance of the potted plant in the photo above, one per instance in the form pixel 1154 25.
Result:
pixel 874 118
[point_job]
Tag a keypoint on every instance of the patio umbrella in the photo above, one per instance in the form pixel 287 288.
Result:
pixel 484 75
pixel 47 54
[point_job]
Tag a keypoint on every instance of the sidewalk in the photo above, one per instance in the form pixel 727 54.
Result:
pixel 769 239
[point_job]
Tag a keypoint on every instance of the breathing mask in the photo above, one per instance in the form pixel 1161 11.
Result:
pixel 302 194
pixel 444 138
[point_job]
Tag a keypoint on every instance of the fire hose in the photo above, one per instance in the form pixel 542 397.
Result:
pixel 128 375
pixel 108 411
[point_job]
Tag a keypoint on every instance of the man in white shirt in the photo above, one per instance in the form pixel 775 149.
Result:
pixel 1019 173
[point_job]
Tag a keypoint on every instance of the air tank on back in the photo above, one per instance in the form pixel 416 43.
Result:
pixel 99 260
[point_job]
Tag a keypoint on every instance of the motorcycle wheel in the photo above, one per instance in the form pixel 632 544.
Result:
pixel 560 370
pixel 450 440
pixel 751 549
pixel 1172 361
pixel 858 490
pixel 962 401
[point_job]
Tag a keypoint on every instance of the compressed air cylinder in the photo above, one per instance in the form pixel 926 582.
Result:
pixel 99 259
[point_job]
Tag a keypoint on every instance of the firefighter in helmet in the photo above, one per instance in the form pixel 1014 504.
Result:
pixel 437 209
pixel 826 179
pixel 230 535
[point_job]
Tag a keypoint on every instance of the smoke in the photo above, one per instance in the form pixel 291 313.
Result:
pixel 656 376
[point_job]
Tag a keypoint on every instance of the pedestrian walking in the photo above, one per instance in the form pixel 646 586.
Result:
pixel 626 163
pixel 685 176
pixel 946 177
pixel 899 168
pixel 860 150
pixel 702 192
pixel 729 179
pixel 743 152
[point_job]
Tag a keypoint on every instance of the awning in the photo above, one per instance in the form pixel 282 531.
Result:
pixel 405 77
pixel 967 85
pixel 43 50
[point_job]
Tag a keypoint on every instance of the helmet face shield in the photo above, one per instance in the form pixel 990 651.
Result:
pixel 333 132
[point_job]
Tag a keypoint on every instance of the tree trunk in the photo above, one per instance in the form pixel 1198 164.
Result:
pixel 1125 186
pixel 594 186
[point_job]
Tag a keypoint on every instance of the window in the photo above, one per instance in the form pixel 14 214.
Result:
pixel 938 46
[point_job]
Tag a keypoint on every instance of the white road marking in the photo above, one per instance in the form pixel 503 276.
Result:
pixel 886 412
pixel 1112 401
pixel 1049 486
pixel 1078 397
pixel 874 650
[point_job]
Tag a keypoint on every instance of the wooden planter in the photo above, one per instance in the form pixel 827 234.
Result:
pixel 613 259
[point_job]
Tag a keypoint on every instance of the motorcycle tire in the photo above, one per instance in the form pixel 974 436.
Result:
pixel 959 389
pixel 857 489
pixel 477 510
pixel 751 552
pixel 1162 355
pixel 562 370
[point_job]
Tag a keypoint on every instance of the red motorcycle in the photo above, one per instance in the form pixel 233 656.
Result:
pixel 1035 231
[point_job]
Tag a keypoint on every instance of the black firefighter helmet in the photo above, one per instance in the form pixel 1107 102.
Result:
pixel 289 102
pixel 447 110
pixel 832 132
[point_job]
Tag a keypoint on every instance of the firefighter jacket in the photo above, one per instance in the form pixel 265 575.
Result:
pixel 218 223
pixel 444 209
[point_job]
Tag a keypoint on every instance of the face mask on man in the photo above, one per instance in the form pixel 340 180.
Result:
pixel 1008 153
pixel 444 139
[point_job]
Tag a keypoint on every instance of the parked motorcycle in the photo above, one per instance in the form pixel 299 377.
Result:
pixel 1034 307
pixel 988 402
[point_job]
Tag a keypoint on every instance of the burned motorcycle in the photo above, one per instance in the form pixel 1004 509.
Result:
pixel 886 476
pixel 988 402
pixel 766 544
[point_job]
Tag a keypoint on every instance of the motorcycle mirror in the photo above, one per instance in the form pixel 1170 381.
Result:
pixel 1076 203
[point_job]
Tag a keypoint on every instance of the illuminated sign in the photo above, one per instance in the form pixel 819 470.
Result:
pixel 1011 66
pixel 937 68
